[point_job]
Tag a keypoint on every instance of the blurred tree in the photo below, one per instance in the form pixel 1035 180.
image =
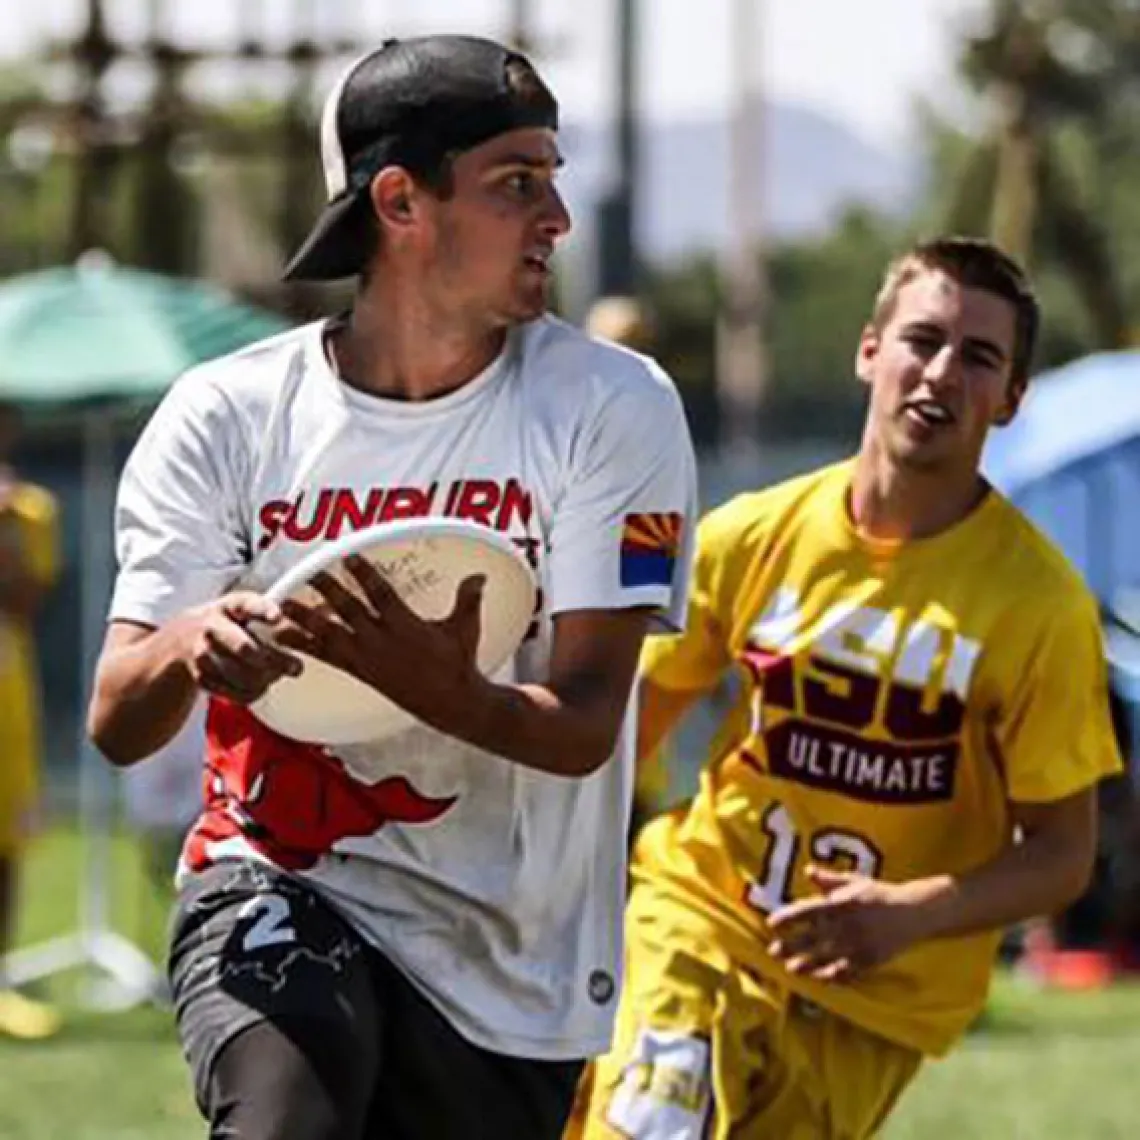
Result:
pixel 35 181
pixel 165 210
pixel 148 175
pixel 1057 74
pixel 821 296
pixel 960 176
pixel 685 300
pixel 821 290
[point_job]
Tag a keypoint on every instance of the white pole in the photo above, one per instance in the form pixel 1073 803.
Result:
pixel 96 781
pixel 741 363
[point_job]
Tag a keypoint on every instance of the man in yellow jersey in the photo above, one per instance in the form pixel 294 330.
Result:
pixel 911 766
pixel 28 559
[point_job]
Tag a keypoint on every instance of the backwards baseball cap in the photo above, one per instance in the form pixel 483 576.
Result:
pixel 410 103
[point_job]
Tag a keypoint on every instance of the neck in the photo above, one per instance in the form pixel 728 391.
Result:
pixel 397 345
pixel 894 503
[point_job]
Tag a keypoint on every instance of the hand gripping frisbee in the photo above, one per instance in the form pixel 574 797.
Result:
pixel 424 560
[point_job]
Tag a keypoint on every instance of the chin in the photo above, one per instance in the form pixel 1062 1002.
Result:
pixel 927 459
pixel 528 308
pixel 918 455
pixel 928 454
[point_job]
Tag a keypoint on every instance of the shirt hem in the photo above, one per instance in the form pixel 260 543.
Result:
pixel 740 947
pixel 507 1044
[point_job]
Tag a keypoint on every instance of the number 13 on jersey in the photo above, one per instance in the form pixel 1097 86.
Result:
pixel 786 847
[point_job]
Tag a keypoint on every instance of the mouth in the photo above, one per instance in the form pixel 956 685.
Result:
pixel 538 263
pixel 929 414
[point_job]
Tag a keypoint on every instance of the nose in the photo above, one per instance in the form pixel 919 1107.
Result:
pixel 556 222
pixel 943 368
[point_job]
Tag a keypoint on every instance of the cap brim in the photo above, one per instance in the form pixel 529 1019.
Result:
pixel 337 245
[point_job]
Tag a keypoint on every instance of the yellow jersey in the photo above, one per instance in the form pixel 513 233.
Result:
pixel 28 535
pixel 895 698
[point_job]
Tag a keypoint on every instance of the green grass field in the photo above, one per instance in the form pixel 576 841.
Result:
pixel 1044 1066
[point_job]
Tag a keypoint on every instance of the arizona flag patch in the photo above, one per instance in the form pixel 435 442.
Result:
pixel 649 545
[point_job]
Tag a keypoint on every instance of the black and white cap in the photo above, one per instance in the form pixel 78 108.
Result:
pixel 410 103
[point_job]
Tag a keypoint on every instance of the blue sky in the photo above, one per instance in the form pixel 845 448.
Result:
pixel 861 61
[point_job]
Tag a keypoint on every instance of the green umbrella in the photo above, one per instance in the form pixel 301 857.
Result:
pixel 99 331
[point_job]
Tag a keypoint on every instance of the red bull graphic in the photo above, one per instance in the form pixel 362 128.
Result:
pixel 289 801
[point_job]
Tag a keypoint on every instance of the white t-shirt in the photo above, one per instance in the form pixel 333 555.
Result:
pixel 497 889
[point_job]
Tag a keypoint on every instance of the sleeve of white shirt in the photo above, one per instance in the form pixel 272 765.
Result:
pixel 622 535
pixel 181 532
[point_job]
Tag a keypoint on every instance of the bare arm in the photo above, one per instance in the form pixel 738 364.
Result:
pixel 147 679
pixel 858 922
pixel 143 691
pixel 1040 875
pixel 569 725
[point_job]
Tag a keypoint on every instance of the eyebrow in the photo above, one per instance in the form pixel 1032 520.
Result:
pixel 978 343
pixel 529 160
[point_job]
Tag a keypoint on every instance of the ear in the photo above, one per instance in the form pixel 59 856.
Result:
pixel 1013 397
pixel 393 197
pixel 869 344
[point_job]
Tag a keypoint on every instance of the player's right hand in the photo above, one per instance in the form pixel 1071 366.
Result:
pixel 224 656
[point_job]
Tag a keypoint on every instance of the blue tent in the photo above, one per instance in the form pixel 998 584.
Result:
pixel 1071 461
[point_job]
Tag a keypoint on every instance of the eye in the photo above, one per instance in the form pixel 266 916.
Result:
pixel 523 184
pixel 980 358
pixel 926 344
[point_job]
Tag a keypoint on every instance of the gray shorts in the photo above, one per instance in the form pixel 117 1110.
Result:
pixel 294 1026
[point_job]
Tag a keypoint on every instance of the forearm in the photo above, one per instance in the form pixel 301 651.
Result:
pixel 659 711
pixel 142 696
pixel 1038 876
pixel 531 725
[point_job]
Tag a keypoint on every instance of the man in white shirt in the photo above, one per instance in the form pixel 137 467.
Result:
pixel 420 936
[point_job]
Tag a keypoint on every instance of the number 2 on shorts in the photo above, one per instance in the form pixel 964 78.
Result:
pixel 272 925
pixel 774 887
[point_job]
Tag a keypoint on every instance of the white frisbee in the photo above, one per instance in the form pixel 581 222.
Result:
pixel 424 560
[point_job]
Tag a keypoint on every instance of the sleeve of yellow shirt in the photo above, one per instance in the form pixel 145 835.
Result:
pixel 1056 734
pixel 651 781
pixel 696 659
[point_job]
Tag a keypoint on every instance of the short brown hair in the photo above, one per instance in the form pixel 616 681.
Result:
pixel 975 264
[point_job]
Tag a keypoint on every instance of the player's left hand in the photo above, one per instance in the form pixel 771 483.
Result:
pixel 371 633
pixel 852 925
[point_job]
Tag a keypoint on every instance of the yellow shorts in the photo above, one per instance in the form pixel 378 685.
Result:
pixel 706 1051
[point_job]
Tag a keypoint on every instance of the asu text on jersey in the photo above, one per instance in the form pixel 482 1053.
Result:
pixel 895 699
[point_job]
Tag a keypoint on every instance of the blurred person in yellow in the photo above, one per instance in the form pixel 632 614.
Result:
pixel 911 766
pixel 623 320
pixel 28 564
